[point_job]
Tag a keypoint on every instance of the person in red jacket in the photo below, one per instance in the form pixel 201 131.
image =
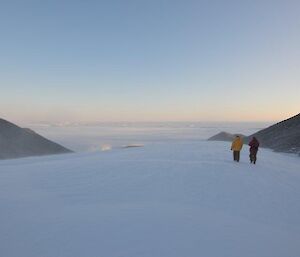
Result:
pixel 254 144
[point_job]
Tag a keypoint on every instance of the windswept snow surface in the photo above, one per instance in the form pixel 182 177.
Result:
pixel 162 200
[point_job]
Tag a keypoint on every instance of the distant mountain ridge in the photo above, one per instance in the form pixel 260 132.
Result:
pixel 16 142
pixel 283 136
pixel 224 136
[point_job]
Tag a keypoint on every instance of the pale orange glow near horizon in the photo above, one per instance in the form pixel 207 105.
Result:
pixel 64 116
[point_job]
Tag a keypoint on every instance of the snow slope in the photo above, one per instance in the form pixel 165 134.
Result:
pixel 162 200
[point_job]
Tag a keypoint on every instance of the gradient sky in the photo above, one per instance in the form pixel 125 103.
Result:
pixel 138 60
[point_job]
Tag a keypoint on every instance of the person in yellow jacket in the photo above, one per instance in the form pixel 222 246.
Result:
pixel 236 147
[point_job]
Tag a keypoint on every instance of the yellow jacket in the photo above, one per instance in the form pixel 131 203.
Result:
pixel 237 144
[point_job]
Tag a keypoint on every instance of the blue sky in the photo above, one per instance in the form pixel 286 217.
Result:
pixel 153 60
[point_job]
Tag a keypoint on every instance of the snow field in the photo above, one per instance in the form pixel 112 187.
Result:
pixel 161 200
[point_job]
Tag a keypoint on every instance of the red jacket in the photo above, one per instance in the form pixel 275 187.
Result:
pixel 254 144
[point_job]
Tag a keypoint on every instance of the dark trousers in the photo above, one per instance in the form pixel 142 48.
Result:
pixel 253 156
pixel 236 156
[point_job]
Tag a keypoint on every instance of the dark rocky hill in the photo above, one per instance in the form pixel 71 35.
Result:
pixel 283 136
pixel 16 142
pixel 224 136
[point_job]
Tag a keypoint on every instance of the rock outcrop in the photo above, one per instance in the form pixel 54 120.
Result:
pixel 224 136
pixel 283 136
pixel 16 142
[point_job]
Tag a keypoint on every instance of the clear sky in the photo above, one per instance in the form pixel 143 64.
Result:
pixel 142 60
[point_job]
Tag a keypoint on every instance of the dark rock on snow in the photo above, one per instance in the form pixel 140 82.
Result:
pixel 16 142
pixel 283 136
pixel 224 136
